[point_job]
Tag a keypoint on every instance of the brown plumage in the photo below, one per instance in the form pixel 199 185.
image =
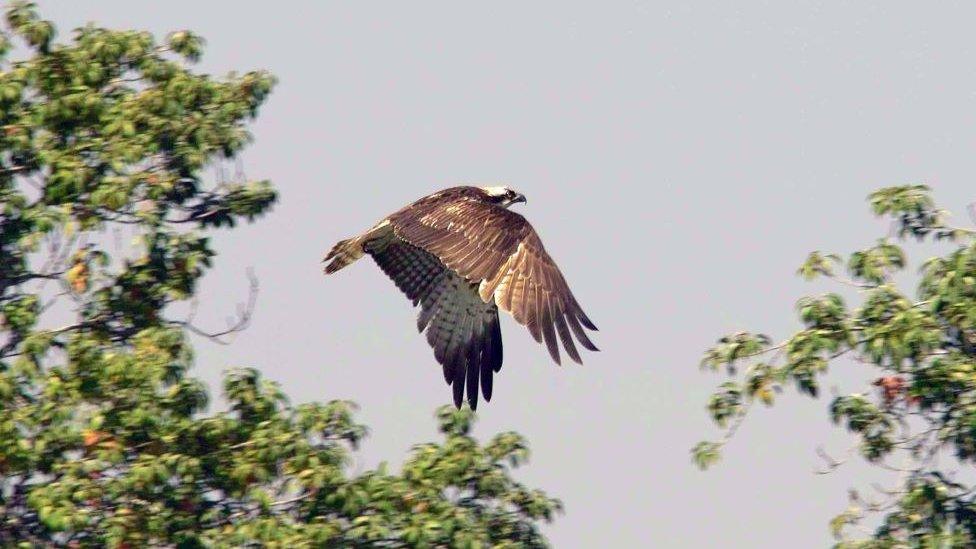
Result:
pixel 462 255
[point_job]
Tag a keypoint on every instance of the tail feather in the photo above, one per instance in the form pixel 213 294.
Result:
pixel 342 254
pixel 349 250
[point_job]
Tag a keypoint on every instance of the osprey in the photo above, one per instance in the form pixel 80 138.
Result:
pixel 462 255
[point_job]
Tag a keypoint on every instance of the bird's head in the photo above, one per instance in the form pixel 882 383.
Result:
pixel 502 196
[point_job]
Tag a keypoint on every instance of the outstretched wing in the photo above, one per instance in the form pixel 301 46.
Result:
pixel 462 329
pixel 499 251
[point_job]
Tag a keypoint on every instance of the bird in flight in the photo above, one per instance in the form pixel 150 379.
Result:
pixel 462 255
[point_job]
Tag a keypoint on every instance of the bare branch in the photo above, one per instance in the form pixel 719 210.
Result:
pixel 243 320
pixel 832 464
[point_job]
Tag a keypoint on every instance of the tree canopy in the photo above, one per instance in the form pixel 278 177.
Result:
pixel 104 435
pixel 921 403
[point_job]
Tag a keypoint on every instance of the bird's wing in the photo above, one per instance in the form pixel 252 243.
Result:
pixel 462 329
pixel 499 251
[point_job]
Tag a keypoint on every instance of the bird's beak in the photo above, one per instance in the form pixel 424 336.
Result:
pixel 519 198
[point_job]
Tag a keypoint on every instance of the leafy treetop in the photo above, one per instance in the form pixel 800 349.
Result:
pixel 104 439
pixel 922 402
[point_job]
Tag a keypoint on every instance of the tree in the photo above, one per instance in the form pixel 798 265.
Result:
pixel 921 404
pixel 104 439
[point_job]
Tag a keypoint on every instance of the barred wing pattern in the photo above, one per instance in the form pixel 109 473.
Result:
pixel 462 329
pixel 497 250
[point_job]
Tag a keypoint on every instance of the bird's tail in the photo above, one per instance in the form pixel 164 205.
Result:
pixel 342 254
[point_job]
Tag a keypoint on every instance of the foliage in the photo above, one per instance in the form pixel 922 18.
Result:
pixel 104 439
pixel 922 403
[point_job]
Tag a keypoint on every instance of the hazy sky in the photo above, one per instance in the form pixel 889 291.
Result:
pixel 679 161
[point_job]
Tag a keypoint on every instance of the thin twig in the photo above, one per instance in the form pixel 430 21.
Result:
pixel 245 312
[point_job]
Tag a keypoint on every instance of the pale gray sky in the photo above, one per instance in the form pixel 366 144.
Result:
pixel 679 160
